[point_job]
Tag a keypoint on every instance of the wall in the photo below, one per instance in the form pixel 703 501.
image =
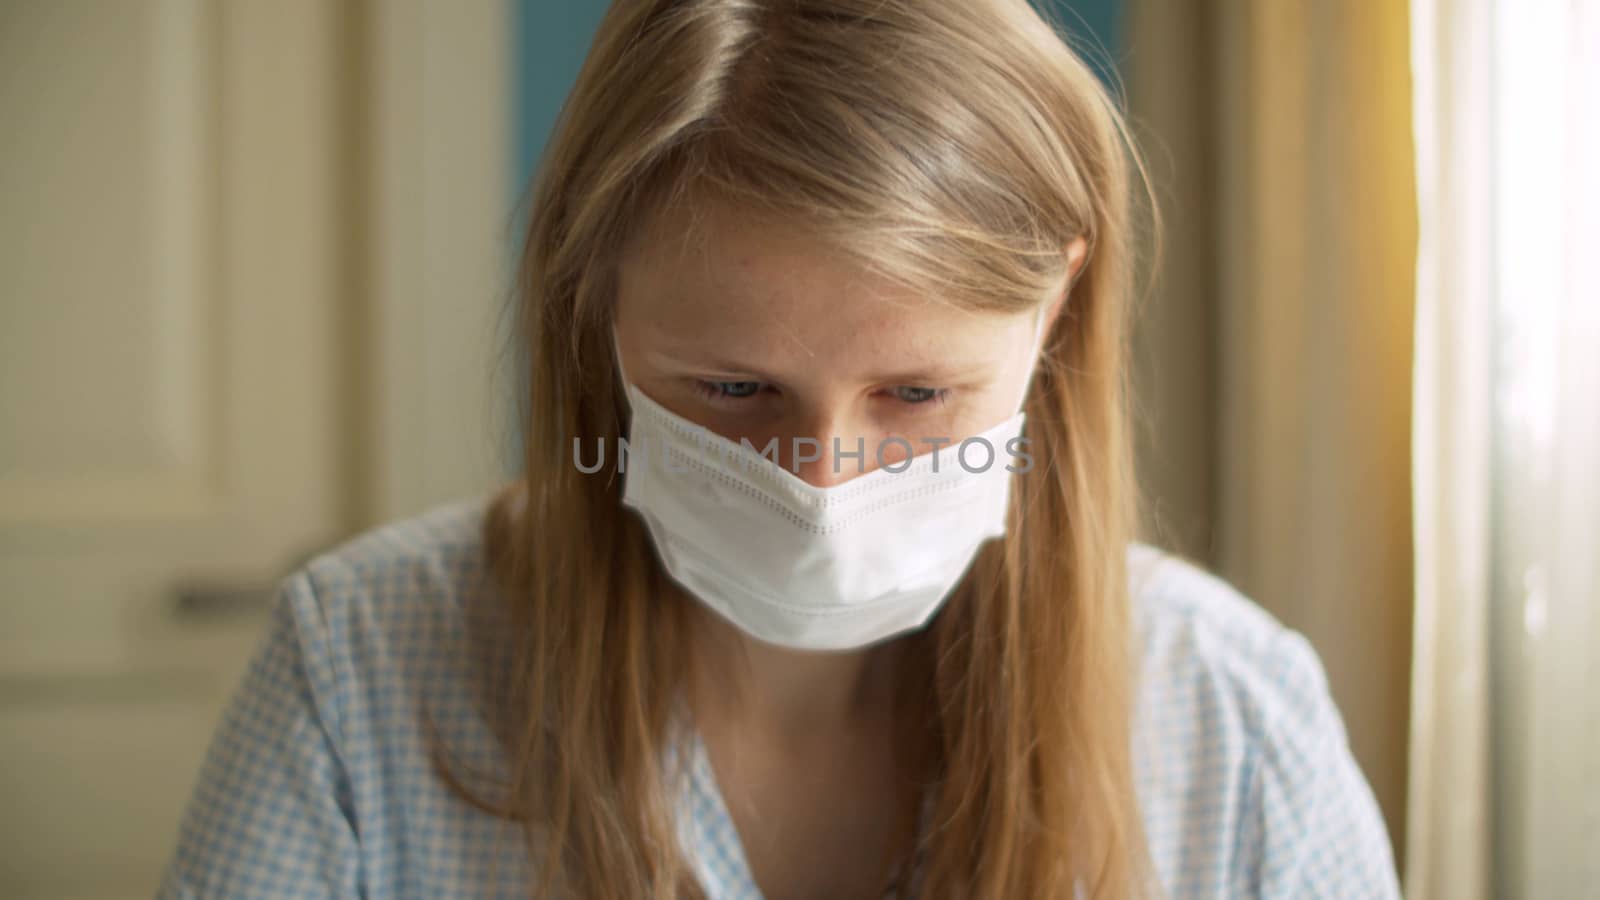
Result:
pixel 552 40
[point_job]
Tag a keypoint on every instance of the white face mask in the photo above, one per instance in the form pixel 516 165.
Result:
pixel 817 568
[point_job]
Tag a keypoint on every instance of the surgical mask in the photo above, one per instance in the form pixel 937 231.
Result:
pixel 817 568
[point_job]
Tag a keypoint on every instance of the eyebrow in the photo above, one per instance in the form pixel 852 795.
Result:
pixel 936 375
pixel 948 374
pixel 711 364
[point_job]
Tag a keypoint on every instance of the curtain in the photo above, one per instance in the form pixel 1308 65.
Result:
pixel 1274 358
pixel 1505 753
pixel 1448 845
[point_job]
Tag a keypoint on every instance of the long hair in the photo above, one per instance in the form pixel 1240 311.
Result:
pixel 956 148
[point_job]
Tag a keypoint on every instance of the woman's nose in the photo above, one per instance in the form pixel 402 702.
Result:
pixel 826 452
pixel 827 461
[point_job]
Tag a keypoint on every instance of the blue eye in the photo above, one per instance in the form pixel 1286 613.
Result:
pixel 734 391
pixel 917 396
pixel 728 390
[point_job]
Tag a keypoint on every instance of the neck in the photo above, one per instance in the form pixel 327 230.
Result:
pixel 791 695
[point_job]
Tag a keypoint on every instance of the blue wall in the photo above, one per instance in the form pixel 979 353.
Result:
pixel 552 41
pixel 553 38
pixel 1094 29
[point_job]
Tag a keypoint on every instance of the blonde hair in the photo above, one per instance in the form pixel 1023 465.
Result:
pixel 956 148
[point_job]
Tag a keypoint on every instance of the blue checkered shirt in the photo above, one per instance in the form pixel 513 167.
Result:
pixel 318 782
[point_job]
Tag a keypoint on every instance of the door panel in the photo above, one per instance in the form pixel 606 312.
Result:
pixel 90 779
pixel 107 372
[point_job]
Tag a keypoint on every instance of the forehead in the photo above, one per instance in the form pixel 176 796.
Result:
pixel 712 277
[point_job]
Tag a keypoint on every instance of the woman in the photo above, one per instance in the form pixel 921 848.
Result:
pixel 857 611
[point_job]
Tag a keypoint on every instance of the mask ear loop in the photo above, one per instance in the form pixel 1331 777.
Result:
pixel 616 348
pixel 1033 358
pixel 1039 335
pixel 622 373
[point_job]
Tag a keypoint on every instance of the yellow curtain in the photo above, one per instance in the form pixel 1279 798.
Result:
pixel 1275 357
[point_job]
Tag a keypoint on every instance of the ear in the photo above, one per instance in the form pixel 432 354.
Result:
pixel 1077 253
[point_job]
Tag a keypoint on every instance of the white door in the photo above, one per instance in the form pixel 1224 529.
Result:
pixel 251 258
pixel 175 399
